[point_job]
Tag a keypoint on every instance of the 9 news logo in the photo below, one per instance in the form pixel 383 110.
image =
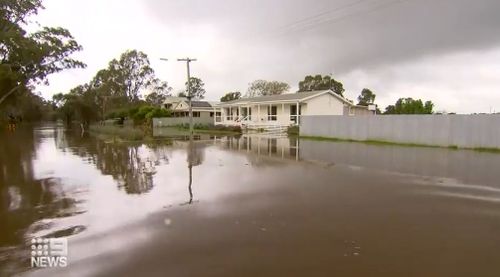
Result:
pixel 49 252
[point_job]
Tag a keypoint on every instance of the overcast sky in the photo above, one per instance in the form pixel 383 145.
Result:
pixel 447 51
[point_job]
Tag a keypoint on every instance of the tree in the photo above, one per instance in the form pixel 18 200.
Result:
pixel 80 103
pixel 231 96
pixel 410 106
pixel 131 74
pixel 264 88
pixel 160 92
pixel 27 58
pixel 181 94
pixel 197 88
pixel 367 97
pixel 320 82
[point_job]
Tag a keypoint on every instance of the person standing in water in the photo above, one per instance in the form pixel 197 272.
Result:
pixel 12 122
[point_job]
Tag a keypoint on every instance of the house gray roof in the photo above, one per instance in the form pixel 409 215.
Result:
pixel 282 97
pixel 200 104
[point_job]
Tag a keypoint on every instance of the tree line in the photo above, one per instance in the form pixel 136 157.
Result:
pixel 366 97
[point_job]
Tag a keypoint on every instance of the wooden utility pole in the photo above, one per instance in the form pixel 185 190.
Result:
pixel 189 96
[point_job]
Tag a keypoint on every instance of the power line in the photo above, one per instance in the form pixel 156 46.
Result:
pixel 312 24
pixel 337 9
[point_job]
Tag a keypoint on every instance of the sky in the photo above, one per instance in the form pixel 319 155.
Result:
pixel 446 51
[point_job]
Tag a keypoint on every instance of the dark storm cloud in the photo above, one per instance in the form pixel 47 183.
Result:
pixel 354 34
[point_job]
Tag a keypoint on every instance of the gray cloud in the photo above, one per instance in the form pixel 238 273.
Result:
pixel 370 33
pixel 398 48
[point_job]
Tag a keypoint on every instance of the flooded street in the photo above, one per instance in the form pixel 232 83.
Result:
pixel 253 205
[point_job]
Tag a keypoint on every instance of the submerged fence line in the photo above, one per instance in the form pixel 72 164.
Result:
pixel 464 131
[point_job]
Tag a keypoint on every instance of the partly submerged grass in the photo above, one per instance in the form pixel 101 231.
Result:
pixel 210 129
pixel 118 132
pixel 390 143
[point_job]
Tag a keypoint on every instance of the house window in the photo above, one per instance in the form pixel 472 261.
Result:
pixel 196 114
pixel 168 106
pixel 272 113
pixel 211 114
pixel 293 113
pixel 218 117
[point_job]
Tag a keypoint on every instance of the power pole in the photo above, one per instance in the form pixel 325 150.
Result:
pixel 189 96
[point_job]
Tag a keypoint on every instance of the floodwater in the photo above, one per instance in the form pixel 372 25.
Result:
pixel 247 206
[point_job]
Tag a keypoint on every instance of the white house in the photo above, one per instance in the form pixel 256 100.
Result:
pixel 285 109
pixel 203 111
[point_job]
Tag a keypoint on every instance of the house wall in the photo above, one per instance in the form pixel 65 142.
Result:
pixel 469 131
pixel 362 111
pixel 283 113
pixel 325 104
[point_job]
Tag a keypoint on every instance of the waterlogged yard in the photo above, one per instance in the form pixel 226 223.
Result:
pixel 247 205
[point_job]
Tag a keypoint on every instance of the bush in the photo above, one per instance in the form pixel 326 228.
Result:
pixel 121 113
pixel 210 127
pixel 140 115
pixel 158 112
pixel 293 130
pixel 132 111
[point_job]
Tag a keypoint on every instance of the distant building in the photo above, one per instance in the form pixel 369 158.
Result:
pixel 202 110
pixel 286 109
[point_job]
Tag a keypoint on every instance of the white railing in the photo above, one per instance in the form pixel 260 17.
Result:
pixel 241 118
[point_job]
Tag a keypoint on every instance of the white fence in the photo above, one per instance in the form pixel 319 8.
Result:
pixel 467 131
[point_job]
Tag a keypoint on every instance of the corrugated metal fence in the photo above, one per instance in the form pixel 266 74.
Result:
pixel 468 131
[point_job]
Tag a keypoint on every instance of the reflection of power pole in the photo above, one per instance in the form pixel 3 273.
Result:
pixel 189 96
pixel 190 183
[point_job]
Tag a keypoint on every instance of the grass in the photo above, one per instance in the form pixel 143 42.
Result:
pixel 487 149
pixel 119 132
pixel 293 130
pixel 211 129
pixel 389 143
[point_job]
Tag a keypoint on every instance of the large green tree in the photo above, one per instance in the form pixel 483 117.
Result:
pixel 28 57
pixel 127 77
pixel 159 92
pixel 410 106
pixel 367 97
pixel 197 88
pixel 265 88
pixel 79 104
pixel 231 96
pixel 319 82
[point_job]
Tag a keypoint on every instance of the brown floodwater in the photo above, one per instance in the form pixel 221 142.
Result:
pixel 254 205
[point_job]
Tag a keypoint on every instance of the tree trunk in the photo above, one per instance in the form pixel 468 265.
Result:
pixel 8 93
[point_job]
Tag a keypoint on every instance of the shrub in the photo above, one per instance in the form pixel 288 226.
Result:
pixel 140 115
pixel 158 112
pixel 293 130
pixel 210 127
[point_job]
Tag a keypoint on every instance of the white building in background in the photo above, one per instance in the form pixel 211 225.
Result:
pixel 203 111
pixel 285 109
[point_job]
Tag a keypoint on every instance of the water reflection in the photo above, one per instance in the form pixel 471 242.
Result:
pixel 54 182
pixel 131 165
pixel 25 201
pixel 466 166
pixel 263 146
